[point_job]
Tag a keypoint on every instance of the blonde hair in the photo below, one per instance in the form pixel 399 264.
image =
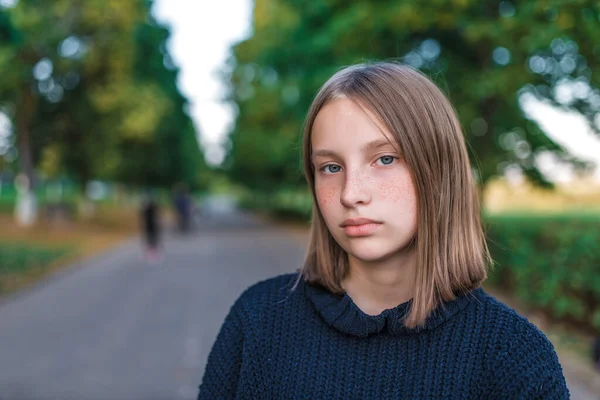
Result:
pixel 452 254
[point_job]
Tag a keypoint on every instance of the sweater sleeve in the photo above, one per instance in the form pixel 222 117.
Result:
pixel 225 359
pixel 528 369
pixel 546 384
pixel 552 387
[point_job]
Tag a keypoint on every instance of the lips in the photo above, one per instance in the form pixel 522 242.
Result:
pixel 358 221
pixel 356 227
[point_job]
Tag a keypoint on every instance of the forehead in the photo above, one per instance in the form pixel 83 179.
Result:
pixel 344 123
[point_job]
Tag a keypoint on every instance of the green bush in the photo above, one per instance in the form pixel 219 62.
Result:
pixel 7 205
pixel 551 262
pixel 287 204
pixel 8 199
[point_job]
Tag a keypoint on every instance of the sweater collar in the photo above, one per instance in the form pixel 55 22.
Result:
pixel 342 313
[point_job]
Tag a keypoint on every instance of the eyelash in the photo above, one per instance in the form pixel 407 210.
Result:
pixel 322 169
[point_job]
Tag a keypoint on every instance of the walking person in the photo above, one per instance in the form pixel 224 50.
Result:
pixel 388 303
pixel 150 221
pixel 596 353
pixel 183 207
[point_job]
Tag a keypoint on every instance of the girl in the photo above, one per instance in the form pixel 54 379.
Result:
pixel 388 303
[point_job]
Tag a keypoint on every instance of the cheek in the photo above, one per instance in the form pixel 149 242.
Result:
pixel 326 195
pixel 399 191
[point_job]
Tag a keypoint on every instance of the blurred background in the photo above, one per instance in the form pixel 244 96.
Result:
pixel 139 134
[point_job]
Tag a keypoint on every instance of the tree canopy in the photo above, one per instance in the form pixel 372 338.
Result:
pixel 489 57
pixel 92 92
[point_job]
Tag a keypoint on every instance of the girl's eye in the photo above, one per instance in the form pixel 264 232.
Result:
pixel 331 168
pixel 387 160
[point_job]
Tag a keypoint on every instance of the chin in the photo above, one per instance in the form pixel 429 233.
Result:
pixel 368 252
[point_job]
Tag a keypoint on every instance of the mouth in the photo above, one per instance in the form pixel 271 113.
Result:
pixel 357 227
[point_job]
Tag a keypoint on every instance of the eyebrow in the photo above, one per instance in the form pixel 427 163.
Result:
pixel 375 144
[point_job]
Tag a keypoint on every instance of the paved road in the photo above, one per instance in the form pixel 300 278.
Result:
pixel 118 328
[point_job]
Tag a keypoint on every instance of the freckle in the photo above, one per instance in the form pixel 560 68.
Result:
pixel 326 196
pixel 394 191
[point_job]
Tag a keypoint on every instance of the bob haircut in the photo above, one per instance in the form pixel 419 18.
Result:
pixel 452 254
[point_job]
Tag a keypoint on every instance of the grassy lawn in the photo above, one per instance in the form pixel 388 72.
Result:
pixel 18 258
pixel 21 262
pixel 28 255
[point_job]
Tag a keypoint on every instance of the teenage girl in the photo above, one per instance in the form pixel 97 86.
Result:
pixel 388 303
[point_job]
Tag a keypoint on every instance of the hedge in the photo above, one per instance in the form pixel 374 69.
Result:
pixel 551 262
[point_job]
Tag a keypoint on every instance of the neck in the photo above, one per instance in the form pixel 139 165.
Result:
pixel 380 285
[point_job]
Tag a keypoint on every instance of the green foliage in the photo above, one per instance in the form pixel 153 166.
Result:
pixel 549 262
pixel 289 204
pixel 18 258
pixel 110 107
pixel 173 154
pixel 71 203
pixel 487 56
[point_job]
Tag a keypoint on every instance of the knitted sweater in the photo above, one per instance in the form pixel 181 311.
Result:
pixel 311 344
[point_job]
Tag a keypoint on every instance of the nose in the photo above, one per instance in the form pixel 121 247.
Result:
pixel 356 190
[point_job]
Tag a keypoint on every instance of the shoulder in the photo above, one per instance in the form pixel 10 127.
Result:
pixel 521 358
pixel 510 330
pixel 266 293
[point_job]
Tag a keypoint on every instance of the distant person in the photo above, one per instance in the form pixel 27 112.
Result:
pixel 596 353
pixel 150 217
pixel 388 303
pixel 183 206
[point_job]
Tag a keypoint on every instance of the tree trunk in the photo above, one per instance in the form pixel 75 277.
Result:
pixel 26 206
pixel 25 112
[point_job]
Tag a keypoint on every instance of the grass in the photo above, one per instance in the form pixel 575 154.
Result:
pixel 21 257
pixel 21 263
pixel 31 254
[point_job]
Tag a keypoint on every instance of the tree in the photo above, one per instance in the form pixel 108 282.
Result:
pixel 487 56
pixel 94 92
pixel 54 42
pixel 174 154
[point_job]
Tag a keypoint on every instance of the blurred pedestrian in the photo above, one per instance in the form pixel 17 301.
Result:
pixel 183 207
pixel 596 353
pixel 150 221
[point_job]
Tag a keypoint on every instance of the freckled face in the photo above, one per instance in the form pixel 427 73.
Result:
pixel 359 174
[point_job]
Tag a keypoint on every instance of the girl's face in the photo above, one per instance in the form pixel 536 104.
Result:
pixel 364 188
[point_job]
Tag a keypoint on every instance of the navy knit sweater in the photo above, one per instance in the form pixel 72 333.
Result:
pixel 311 344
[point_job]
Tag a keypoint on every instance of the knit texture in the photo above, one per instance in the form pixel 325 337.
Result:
pixel 310 344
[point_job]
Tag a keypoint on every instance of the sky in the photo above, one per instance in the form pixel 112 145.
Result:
pixel 203 32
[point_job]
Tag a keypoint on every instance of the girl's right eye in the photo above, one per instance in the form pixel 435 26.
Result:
pixel 331 168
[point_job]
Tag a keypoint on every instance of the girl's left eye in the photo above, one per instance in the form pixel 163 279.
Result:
pixel 387 160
